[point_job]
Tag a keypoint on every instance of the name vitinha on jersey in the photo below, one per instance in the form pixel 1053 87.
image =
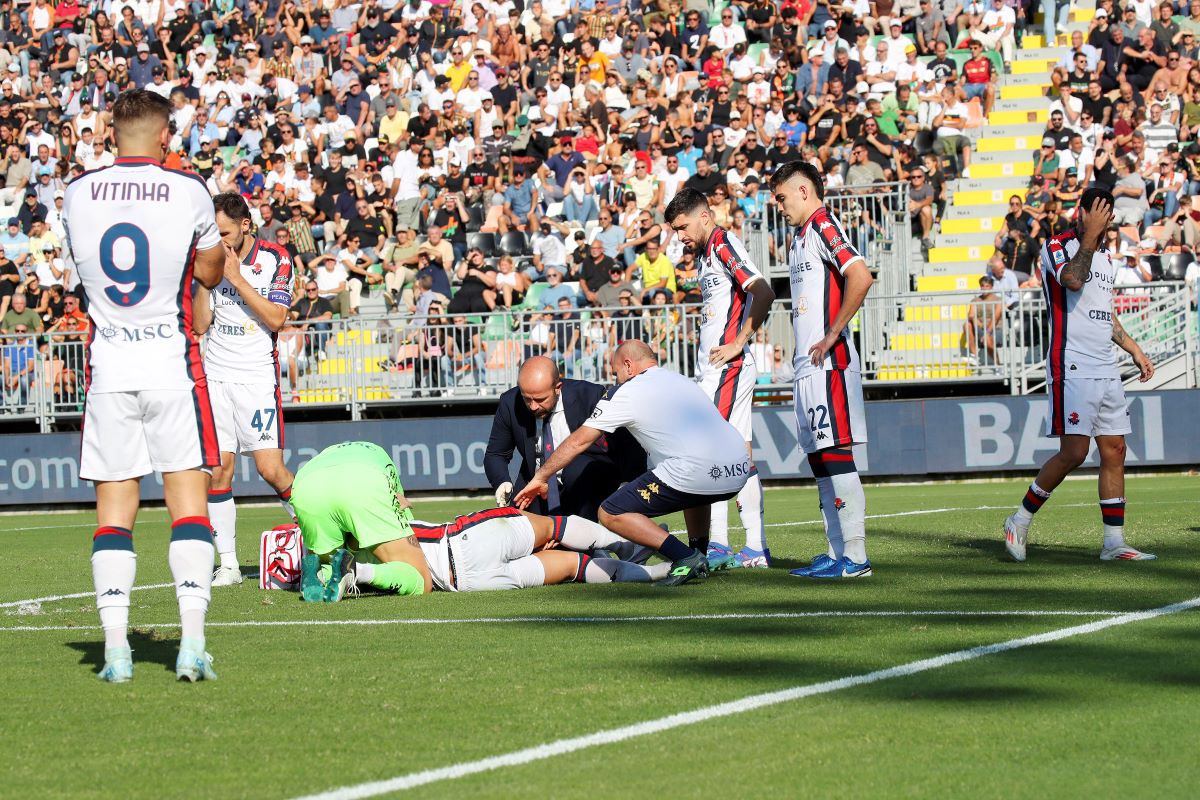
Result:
pixel 125 191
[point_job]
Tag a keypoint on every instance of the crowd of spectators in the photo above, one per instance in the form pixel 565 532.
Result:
pixel 1124 111
pixel 397 149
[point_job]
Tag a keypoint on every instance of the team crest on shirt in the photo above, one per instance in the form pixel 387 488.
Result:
pixel 801 305
pixel 257 268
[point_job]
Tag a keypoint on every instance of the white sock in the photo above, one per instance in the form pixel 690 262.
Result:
pixel 222 513
pixel 610 570
pixel 114 565
pixel 190 556
pixel 1035 498
pixel 750 506
pixel 115 621
pixel 577 533
pixel 718 524
pixel 833 526
pixel 851 506
pixel 1113 511
pixel 363 573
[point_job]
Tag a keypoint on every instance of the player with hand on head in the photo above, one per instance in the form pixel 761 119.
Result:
pixel 696 458
pixel 353 516
pixel 242 317
pixel 1087 397
pixel 140 234
pixel 829 281
pixel 736 301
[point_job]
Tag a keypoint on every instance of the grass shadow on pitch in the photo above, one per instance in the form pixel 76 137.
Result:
pixel 149 647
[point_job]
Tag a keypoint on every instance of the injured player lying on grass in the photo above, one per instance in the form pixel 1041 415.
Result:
pixel 360 531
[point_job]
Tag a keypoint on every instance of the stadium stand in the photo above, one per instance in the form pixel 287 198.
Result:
pixel 442 170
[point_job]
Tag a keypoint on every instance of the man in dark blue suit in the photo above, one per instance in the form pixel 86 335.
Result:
pixel 543 409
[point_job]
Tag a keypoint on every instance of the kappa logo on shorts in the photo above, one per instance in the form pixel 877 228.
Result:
pixel 266 437
pixel 1073 418
pixel 821 435
pixel 651 489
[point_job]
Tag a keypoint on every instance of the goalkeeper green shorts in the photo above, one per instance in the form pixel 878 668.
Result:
pixel 346 497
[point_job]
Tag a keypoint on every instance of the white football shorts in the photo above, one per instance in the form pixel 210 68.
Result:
pixel 830 410
pixel 1088 407
pixel 732 391
pixel 131 434
pixel 249 416
pixel 496 554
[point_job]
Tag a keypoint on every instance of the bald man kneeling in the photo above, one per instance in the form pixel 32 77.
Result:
pixel 540 412
pixel 696 458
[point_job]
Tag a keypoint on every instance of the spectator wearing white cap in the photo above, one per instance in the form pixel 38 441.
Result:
pixel 897 42
pixel 829 42
pixel 54 215
pixel 759 89
pixel 306 61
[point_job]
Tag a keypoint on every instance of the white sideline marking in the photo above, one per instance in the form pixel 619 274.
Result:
pixel 285 623
pixel 916 513
pixel 751 703
pixel 74 596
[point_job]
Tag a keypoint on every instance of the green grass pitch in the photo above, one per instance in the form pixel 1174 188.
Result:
pixel 306 708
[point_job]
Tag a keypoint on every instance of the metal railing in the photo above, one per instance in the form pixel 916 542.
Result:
pixel 875 218
pixel 927 338
pixel 358 363
pixel 462 358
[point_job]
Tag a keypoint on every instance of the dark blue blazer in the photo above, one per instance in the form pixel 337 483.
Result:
pixel 590 478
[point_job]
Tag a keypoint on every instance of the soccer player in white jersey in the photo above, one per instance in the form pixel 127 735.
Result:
pixel 1087 397
pixel 696 458
pixel 829 281
pixel 140 234
pixel 737 299
pixel 242 317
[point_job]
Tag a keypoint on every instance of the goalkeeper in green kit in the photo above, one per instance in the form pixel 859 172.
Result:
pixel 360 531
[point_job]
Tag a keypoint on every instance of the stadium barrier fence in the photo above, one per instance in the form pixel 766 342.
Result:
pixel 351 365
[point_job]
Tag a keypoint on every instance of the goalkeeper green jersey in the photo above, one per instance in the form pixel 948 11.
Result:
pixel 349 492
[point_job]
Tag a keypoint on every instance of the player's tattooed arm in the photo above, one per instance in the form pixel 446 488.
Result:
pixel 1095 221
pixel 1075 273
pixel 1122 339
pixel 1119 336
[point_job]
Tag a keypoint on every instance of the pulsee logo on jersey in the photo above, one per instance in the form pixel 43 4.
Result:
pixel 798 268
pixel 147 333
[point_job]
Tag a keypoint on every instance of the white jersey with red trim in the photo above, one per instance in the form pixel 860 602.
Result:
pixel 1080 322
pixel 240 348
pixel 726 269
pixel 133 230
pixel 817 264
